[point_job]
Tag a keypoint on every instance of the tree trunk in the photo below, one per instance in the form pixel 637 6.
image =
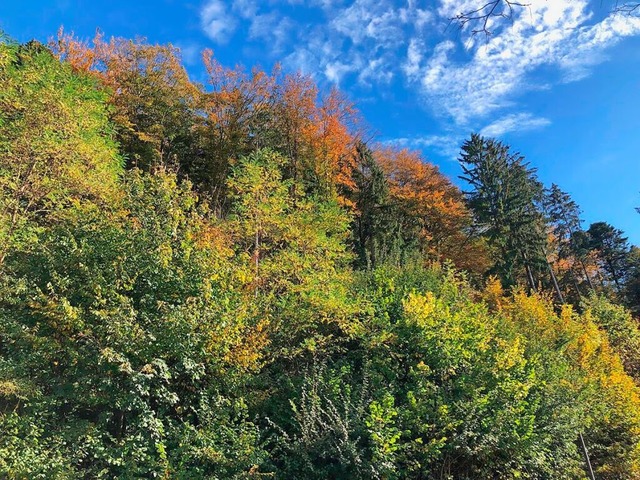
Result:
pixel 553 277
pixel 555 282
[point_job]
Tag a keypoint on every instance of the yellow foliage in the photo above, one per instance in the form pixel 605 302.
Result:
pixel 248 350
pixel 493 293
pixel 509 353
pixel 419 308
pixel 588 349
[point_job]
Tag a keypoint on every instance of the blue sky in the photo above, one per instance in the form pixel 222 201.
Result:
pixel 559 82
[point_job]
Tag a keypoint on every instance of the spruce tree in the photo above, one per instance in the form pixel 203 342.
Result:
pixel 503 197
pixel 612 250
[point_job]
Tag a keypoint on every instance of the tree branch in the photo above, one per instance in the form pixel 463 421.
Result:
pixel 480 17
pixel 627 8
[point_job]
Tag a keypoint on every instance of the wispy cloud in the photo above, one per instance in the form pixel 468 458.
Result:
pixel 272 28
pixel 217 22
pixel 189 52
pixel 494 73
pixel 514 122
pixel 467 81
pixel 447 145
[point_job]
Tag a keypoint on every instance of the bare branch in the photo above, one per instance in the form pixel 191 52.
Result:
pixel 627 8
pixel 480 17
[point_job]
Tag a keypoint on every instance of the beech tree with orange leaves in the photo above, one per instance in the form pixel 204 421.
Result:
pixel 435 207
pixel 164 119
pixel 153 101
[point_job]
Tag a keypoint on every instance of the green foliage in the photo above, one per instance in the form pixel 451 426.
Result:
pixel 56 146
pixel 295 247
pixel 144 334
pixel 500 395
pixel 622 330
pixel 612 251
pixel 324 436
pixel 632 283
pixel 379 234
pixel 563 217
pixel 504 197
pixel 111 321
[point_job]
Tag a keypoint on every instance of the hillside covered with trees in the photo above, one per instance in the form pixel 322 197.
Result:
pixel 234 281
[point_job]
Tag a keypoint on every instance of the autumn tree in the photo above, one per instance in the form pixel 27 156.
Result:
pixel 299 310
pixel 295 116
pixel 334 142
pixel 238 120
pixel 295 246
pixel 164 119
pixel 154 102
pixel 57 144
pixel 433 208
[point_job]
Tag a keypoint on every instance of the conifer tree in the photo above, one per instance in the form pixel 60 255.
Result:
pixel 563 216
pixel 376 230
pixel 612 250
pixel 503 197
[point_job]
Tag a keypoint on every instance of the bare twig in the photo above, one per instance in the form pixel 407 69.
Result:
pixel 626 7
pixel 480 17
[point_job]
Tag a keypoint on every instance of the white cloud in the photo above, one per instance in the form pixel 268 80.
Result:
pixel 335 71
pixel 555 34
pixel 464 79
pixel 245 8
pixel 272 28
pixel 514 122
pixel 301 59
pixel 447 145
pixel 189 52
pixel 369 20
pixel 216 21
pixel 415 51
pixel 375 72
pixel 360 38
pixel 320 56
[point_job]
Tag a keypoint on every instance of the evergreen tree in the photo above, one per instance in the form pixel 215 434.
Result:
pixel 563 214
pixel 503 199
pixel 563 217
pixel 612 250
pixel 377 227
pixel 142 336
pixel 632 284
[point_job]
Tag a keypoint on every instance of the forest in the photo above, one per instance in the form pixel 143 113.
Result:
pixel 235 280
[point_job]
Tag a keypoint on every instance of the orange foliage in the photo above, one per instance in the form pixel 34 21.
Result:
pixel 336 119
pixel 296 111
pixel 151 94
pixel 242 111
pixel 116 60
pixel 438 206
pixel 493 293
pixel 284 112
pixel 238 98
